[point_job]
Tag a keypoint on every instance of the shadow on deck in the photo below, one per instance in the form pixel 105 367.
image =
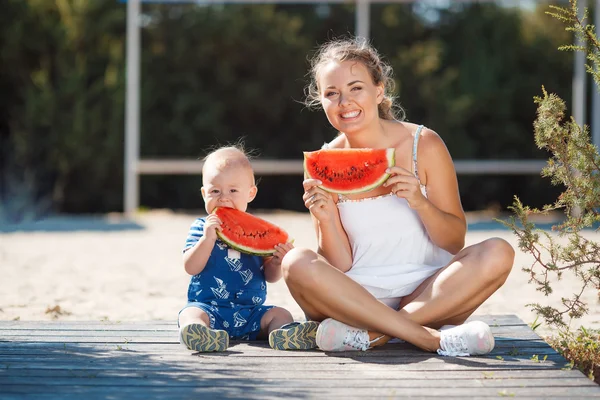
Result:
pixel 142 360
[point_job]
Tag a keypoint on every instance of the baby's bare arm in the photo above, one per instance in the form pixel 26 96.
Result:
pixel 195 259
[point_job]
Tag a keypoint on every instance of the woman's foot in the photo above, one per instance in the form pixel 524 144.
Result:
pixel 198 337
pixel 470 339
pixel 294 336
pixel 334 335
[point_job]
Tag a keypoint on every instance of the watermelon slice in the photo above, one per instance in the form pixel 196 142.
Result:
pixel 348 171
pixel 247 233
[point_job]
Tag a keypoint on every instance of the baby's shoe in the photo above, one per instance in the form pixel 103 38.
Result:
pixel 294 336
pixel 470 339
pixel 198 337
pixel 334 335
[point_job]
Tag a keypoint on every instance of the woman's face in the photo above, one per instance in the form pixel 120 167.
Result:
pixel 349 96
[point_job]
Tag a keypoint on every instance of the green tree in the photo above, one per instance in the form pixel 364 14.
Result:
pixel 212 74
pixel 574 166
pixel 63 62
pixel 457 75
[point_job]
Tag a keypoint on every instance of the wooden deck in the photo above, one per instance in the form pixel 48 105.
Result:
pixel 143 360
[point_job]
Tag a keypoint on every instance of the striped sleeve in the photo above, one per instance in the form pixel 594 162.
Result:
pixel 195 233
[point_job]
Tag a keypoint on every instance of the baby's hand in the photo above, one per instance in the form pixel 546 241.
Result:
pixel 211 226
pixel 281 250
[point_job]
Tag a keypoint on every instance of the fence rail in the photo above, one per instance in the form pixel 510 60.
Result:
pixel 294 167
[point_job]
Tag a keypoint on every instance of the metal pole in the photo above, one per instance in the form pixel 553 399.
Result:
pixel 362 18
pixel 132 110
pixel 596 93
pixel 579 76
pixel 579 83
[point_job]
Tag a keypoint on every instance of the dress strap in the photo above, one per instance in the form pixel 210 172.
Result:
pixel 414 152
pixel 342 198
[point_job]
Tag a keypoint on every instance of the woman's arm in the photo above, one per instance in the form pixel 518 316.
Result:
pixel 333 243
pixel 331 237
pixel 441 211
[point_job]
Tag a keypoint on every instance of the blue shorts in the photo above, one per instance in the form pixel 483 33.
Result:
pixel 240 322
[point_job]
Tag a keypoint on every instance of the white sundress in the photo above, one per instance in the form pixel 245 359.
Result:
pixel 392 252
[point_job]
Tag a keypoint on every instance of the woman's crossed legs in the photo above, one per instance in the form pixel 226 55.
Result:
pixel 448 297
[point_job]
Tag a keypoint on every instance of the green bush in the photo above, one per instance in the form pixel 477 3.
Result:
pixel 581 349
pixel 574 166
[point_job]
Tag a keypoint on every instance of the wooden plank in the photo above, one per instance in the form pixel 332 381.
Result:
pixel 88 326
pixel 265 352
pixel 261 349
pixel 347 374
pixel 37 347
pixel 143 360
pixel 493 321
pixel 7 334
pixel 202 362
pixel 274 380
pixel 521 332
pixel 117 350
pixel 227 389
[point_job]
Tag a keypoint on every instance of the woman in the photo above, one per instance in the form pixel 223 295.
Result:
pixel 390 262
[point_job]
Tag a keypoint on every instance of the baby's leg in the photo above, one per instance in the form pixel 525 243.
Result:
pixel 195 332
pixel 273 319
pixel 193 315
pixel 285 334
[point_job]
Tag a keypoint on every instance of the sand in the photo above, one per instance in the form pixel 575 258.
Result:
pixel 108 272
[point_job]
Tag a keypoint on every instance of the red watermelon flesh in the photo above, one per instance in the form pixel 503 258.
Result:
pixel 348 171
pixel 247 233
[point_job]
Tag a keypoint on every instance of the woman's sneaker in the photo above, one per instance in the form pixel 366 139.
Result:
pixel 198 337
pixel 470 339
pixel 334 335
pixel 294 336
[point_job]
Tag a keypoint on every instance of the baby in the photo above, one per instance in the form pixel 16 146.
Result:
pixel 228 288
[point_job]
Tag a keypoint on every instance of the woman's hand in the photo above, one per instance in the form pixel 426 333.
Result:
pixel 319 202
pixel 405 185
pixel 211 226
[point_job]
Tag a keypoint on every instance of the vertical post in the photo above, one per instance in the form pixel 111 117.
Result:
pixel 579 76
pixel 362 18
pixel 579 83
pixel 596 92
pixel 132 110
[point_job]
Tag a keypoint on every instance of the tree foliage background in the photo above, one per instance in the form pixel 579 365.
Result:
pixel 574 166
pixel 212 74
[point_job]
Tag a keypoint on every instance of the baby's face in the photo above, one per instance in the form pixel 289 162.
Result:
pixel 231 187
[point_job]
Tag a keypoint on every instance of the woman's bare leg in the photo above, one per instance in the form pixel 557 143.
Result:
pixel 456 291
pixel 451 295
pixel 323 291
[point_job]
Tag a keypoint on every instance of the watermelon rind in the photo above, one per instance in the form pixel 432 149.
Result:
pixel 390 155
pixel 246 249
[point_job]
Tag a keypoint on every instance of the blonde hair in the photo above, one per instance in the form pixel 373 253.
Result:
pixel 355 49
pixel 227 157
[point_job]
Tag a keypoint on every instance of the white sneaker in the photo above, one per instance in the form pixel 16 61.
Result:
pixel 471 339
pixel 334 335
pixel 446 327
